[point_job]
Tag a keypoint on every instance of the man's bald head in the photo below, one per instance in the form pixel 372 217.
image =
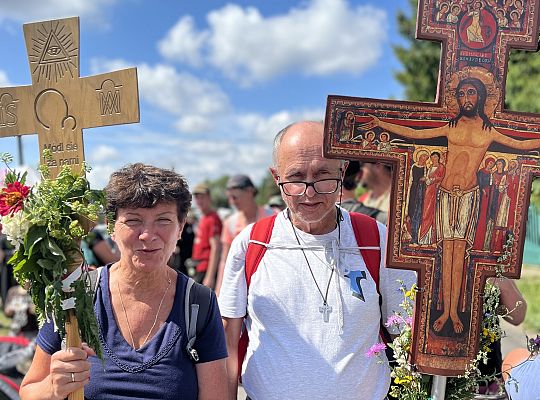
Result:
pixel 295 133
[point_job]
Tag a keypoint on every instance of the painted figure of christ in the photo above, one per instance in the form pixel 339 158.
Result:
pixel 469 135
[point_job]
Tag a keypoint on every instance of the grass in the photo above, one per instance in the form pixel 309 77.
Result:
pixel 529 285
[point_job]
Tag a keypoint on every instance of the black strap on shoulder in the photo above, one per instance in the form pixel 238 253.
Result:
pixel 93 277
pixel 197 306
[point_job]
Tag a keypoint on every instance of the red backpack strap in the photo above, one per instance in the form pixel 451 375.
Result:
pixel 261 232
pixel 366 233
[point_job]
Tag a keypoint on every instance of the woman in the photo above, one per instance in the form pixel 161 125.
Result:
pixel 139 306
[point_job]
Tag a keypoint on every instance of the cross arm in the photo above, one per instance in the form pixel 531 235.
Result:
pixel 528 144
pixel 16 111
pixel 406 131
pixel 110 99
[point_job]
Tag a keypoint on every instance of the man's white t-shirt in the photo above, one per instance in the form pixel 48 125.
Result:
pixel 293 353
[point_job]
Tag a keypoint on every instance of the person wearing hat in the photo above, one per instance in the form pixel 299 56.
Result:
pixel 207 245
pixel 276 204
pixel 241 194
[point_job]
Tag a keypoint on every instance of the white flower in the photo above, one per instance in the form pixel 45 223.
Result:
pixel 15 227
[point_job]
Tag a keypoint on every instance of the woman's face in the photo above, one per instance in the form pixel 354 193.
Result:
pixel 146 237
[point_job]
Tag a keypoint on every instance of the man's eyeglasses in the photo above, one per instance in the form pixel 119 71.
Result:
pixel 298 188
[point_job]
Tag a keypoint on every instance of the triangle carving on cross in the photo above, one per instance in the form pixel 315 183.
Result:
pixel 462 170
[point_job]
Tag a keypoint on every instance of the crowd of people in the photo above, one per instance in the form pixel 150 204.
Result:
pixel 295 302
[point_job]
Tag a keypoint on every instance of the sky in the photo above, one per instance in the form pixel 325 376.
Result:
pixel 217 79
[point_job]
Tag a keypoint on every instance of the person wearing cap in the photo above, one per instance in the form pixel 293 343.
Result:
pixel 353 174
pixel 241 194
pixel 207 245
pixel 276 204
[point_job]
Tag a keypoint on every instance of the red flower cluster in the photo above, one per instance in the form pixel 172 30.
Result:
pixel 12 198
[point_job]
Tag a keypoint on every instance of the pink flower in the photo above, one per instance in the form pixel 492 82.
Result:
pixel 375 350
pixel 409 321
pixel 393 320
pixel 12 198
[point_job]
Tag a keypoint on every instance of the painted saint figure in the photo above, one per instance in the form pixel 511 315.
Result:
pixel 469 135
pixel 434 176
pixel 474 30
pixel 416 194
pixel 484 177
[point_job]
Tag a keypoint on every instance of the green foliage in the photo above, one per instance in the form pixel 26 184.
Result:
pixel 528 286
pixel 420 60
pixel 56 213
pixel 267 189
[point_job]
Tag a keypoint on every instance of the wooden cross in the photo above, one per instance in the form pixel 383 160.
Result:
pixel 463 167
pixel 59 104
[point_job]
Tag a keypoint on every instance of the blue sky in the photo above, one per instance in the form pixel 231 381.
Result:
pixel 217 79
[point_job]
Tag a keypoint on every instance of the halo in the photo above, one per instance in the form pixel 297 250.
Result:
pixel 444 3
pixel 419 151
pixel 492 88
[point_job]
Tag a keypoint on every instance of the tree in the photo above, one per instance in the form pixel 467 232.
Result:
pixel 421 58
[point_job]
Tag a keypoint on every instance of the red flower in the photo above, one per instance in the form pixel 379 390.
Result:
pixel 12 198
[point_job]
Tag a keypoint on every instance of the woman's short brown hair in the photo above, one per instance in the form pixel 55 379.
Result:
pixel 144 186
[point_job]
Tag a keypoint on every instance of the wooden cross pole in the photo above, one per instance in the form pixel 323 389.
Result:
pixel 463 167
pixel 59 104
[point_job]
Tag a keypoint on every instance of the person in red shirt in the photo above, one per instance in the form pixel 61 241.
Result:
pixel 207 245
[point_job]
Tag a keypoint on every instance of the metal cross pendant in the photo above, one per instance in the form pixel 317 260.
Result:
pixel 325 310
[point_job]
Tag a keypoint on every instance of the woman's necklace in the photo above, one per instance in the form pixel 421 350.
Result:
pixel 155 319
pixel 325 309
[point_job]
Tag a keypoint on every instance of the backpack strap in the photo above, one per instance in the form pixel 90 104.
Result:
pixel 366 233
pixel 196 308
pixel 261 231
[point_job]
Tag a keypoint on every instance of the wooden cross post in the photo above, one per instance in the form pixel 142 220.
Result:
pixel 462 166
pixel 59 104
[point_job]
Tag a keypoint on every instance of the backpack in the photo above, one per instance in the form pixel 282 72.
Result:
pixel 196 303
pixel 366 233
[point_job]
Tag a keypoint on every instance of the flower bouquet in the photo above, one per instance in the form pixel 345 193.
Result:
pixel 408 383
pixel 46 223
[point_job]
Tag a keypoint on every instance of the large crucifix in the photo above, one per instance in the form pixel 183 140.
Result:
pixel 463 167
pixel 59 104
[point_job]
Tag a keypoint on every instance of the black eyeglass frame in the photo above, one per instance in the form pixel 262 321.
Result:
pixel 308 184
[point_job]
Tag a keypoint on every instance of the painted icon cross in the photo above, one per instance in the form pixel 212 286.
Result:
pixel 59 104
pixel 462 171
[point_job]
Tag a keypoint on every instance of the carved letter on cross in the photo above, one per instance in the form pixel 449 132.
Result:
pixel 59 104
pixel 463 168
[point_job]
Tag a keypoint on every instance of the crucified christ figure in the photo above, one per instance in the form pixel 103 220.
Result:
pixel 469 135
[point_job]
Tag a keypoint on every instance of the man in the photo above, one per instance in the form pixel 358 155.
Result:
pixel 377 179
pixel 207 246
pixel 348 196
pixel 241 194
pixel 308 330
pixel 469 136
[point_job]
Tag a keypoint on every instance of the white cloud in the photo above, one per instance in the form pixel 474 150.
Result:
pixel 4 80
pixel 183 43
pixel 196 103
pixel 36 10
pixel 321 37
pixel 242 145
pixel 103 152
